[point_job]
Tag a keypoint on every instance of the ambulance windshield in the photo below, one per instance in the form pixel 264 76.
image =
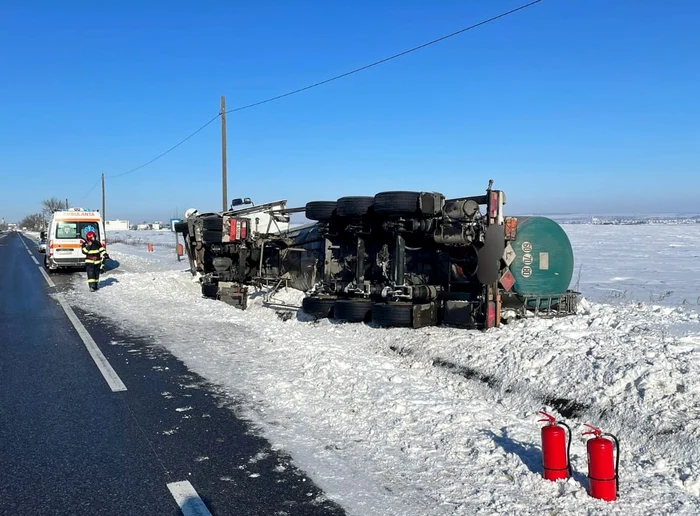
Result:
pixel 76 229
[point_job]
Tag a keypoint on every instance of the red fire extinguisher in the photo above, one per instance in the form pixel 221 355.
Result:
pixel 555 448
pixel 603 481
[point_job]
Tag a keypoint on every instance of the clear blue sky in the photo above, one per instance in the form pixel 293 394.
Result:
pixel 570 105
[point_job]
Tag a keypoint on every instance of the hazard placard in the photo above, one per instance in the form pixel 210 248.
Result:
pixel 509 254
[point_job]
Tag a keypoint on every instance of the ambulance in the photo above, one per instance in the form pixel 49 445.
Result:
pixel 67 230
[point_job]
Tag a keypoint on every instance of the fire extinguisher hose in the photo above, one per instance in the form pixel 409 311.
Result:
pixel 617 460
pixel 568 448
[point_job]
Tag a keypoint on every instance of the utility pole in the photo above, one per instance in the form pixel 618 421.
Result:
pixel 66 202
pixel 104 217
pixel 223 154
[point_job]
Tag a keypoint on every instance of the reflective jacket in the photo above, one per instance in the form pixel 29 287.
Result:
pixel 93 252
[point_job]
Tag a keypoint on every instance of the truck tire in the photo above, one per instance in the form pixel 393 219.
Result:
pixel 321 211
pixel 318 307
pixel 353 310
pixel 353 206
pixel 210 290
pixel 213 223
pixel 181 227
pixel 397 203
pixel 211 237
pixel 393 314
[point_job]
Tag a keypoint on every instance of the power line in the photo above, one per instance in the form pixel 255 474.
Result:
pixel 382 61
pixel 337 77
pixel 166 152
pixel 91 189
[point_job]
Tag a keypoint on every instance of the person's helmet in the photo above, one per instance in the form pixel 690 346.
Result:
pixel 90 235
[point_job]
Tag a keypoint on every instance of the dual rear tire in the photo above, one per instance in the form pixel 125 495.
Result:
pixel 353 207
pixel 388 315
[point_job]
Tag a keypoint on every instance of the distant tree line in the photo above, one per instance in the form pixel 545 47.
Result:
pixel 37 221
pixel 33 222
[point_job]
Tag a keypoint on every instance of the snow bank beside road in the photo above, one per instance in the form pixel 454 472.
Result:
pixel 387 432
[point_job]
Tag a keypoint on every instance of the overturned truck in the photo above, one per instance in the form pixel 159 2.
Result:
pixel 406 259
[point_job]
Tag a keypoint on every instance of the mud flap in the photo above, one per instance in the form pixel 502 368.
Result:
pixel 424 315
pixel 459 314
pixel 489 261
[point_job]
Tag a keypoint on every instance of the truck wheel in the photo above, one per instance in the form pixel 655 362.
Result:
pixel 353 310
pixel 321 211
pixel 181 227
pixel 353 206
pixel 393 314
pixel 213 223
pixel 318 307
pixel 397 203
pixel 211 237
pixel 210 290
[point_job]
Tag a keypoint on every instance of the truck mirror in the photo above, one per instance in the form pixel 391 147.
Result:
pixel 247 201
pixel 236 202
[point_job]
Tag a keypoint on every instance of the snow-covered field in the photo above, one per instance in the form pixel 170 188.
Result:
pixel 164 238
pixel 444 421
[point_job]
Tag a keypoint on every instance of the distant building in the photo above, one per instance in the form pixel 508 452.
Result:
pixel 142 227
pixel 116 225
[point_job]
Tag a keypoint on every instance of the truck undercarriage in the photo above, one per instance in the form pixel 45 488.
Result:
pixel 407 259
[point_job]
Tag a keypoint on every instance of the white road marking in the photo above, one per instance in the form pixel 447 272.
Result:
pixel 187 499
pixel 46 277
pixel 109 374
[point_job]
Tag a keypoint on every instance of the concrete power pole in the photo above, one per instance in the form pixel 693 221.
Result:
pixel 104 217
pixel 224 172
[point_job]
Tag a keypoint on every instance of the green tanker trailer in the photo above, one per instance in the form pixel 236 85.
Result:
pixel 541 262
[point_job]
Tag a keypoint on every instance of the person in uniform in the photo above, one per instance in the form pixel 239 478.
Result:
pixel 94 254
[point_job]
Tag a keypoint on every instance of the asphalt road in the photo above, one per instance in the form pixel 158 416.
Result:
pixel 71 445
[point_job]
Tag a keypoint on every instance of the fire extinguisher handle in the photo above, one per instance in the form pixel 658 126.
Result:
pixel 549 418
pixel 593 430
